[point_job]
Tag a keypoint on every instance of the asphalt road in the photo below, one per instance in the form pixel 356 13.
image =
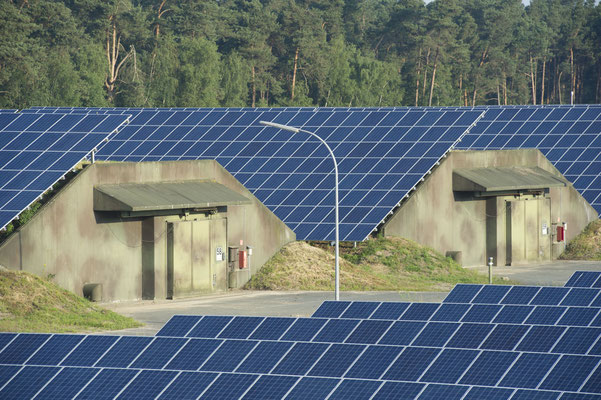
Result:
pixel 154 314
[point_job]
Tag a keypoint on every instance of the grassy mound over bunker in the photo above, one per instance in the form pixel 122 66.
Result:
pixel 377 264
pixel 29 303
pixel 587 245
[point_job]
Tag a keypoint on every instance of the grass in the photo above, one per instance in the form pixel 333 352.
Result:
pixel 29 303
pixel 377 264
pixel 587 245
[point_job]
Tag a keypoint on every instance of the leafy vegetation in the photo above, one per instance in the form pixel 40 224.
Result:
pixel 586 246
pixel 29 303
pixel 377 264
pixel 158 53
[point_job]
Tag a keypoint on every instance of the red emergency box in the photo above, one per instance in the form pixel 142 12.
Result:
pixel 560 233
pixel 242 261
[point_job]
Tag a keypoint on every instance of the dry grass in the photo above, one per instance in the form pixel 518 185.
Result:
pixel 587 245
pixel 29 303
pixel 378 264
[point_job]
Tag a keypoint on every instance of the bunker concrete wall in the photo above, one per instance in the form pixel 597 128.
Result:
pixel 437 217
pixel 68 239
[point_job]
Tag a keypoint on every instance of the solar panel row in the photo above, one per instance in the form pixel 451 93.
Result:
pixel 86 383
pixel 371 364
pixel 569 137
pixel 585 279
pixel 36 150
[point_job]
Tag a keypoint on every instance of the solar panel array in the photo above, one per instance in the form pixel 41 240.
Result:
pixel 585 279
pixel 36 150
pixel 482 341
pixel 569 136
pixel 382 156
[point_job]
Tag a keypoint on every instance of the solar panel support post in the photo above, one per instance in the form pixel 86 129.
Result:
pixel 337 251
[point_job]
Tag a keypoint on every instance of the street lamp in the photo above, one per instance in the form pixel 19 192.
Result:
pixel 296 130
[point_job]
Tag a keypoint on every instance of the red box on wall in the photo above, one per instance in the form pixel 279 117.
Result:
pixel 242 263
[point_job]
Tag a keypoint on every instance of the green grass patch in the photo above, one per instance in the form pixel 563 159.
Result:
pixel 29 303
pixel 586 246
pixel 377 264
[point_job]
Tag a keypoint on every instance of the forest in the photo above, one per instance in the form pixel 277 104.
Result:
pixel 257 53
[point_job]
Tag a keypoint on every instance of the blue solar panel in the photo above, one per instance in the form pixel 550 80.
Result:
pixel 312 389
pixel 179 325
pixel 584 279
pixel 520 295
pixel 488 368
pixel 7 372
pixel 477 393
pixel 300 358
pixel 567 137
pixel 28 382
pixel 550 296
pixel 578 316
pixel 209 326
pixel 541 338
pixel 264 357
pixel 481 313
pixel 402 332
pixel 450 312
pixel 463 293
pixel 491 294
pixel 420 311
pixel 411 364
pixel 21 348
pixel 336 360
pixel 89 350
pixel 240 327
pixel 107 384
pixel 272 328
pixel 504 337
pixel 513 314
pixel 229 386
pixel 435 334
pixel 369 332
pixel 270 387
pixel 158 353
pixel 449 366
pixel 535 395
pixel 545 315
pixel 36 150
pixel 55 349
pixel 447 392
pixel 331 309
pixel 229 355
pixel 360 309
pixel 125 350
pixel 577 340
pixel 193 354
pixel 580 297
pixel 304 329
pixel 373 362
pixel 67 383
pixel 336 330
pixel 292 173
pixel 569 373
pixel 350 389
pixel 529 370
pixel 398 391
pixel 188 386
pixel 389 311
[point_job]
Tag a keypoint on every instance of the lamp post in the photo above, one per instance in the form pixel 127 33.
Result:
pixel 337 267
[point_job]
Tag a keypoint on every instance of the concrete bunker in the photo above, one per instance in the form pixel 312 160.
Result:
pixel 148 230
pixel 504 204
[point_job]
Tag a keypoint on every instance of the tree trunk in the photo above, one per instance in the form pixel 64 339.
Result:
pixel 253 87
pixel 598 86
pixel 559 86
pixel 542 83
pixel 160 13
pixel 498 93
pixel 504 89
pixel 426 72
pixel 460 88
pixel 294 74
pixel 113 46
pixel 532 80
pixel 572 76
pixel 418 74
pixel 433 77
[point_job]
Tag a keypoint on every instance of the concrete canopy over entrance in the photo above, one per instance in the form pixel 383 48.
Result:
pixel 496 179
pixel 138 197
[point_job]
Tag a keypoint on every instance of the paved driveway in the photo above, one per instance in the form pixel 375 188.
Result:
pixel 302 304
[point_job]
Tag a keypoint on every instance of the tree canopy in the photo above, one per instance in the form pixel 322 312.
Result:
pixel 212 53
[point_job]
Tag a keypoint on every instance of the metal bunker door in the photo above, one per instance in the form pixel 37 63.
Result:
pixel 527 230
pixel 191 262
